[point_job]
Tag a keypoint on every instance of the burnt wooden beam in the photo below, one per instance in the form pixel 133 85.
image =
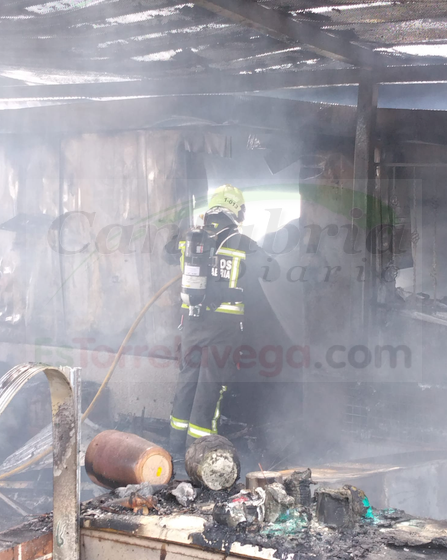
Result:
pixel 247 112
pixel 213 82
pixel 365 131
pixel 117 67
pixel 16 6
pixel 65 39
pixel 179 41
pixel 263 113
pixel 89 14
pixel 221 82
pixel 428 73
pixel 287 29
pixel 124 63
pixel 365 182
pixel 9 82
pixel 133 114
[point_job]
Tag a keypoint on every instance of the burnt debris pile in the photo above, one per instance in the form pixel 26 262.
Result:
pixel 285 510
pixel 335 523
pixel 281 514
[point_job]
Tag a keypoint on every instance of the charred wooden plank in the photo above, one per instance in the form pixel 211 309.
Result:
pixel 225 82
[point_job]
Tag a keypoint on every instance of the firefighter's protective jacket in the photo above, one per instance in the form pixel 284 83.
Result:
pixel 238 264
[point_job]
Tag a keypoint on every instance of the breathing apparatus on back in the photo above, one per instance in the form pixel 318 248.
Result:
pixel 203 243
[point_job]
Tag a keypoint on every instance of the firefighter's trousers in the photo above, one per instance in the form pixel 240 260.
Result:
pixel 210 352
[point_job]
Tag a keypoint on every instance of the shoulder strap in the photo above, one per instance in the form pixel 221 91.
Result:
pixel 226 239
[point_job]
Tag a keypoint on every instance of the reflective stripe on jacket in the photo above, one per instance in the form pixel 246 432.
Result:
pixel 230 273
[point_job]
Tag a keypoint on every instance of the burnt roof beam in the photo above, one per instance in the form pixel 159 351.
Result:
pixel 283 27
pixel 221 82
pixel 64 22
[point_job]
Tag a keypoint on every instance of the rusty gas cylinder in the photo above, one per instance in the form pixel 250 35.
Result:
pixel 115 459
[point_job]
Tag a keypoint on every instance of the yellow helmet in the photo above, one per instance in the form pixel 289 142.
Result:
pixel 231 198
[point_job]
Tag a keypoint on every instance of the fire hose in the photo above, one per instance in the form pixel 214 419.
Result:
pixel 135 324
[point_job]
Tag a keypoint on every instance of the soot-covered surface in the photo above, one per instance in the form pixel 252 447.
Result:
pixel 389 534
pixel 296 535
pixel 26 532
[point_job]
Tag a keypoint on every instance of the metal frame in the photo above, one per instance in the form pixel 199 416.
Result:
pixel 64 400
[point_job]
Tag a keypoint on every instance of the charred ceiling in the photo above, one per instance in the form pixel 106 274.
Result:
pixel 153 41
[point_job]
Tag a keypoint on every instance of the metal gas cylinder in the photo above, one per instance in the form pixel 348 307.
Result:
pixel 115 459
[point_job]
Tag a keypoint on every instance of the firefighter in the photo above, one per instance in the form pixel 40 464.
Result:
pixel 211 340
